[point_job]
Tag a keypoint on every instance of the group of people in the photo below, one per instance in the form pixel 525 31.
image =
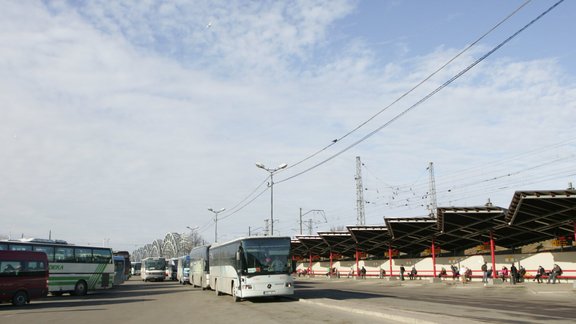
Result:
pixel 516 275
pixel 465 274
pixel 552 275
pixel 412 274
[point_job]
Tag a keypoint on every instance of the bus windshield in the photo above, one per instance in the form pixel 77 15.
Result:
pixel 266 256
pixel 156 264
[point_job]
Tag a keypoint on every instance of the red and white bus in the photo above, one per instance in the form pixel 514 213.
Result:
pixel 23 276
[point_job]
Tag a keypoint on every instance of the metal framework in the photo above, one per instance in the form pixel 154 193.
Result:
pixel 533 216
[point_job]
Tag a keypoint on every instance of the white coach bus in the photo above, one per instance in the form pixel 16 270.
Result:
pixel 183 272
pixel 73 269
pixel 252 267
pixel 200 267
pixel 153 269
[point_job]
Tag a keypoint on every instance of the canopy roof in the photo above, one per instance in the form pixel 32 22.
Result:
pixel 339 242
pixel 533 216
pixel 313 244
pixel 542 215
pixel 372 239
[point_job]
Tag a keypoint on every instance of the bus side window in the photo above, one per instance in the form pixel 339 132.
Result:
pixel 64 254
pixel 83 255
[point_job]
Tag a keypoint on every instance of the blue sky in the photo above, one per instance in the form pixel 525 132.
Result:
pixel 125 120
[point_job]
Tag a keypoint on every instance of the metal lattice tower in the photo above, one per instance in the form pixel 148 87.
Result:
pixel 433 206
pixel 360 218
pixel 267 227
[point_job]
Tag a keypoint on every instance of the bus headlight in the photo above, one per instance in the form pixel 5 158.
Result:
pixel 288 285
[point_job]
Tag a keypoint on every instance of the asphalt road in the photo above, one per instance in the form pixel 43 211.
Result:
pixel 168 302
pixel 314 301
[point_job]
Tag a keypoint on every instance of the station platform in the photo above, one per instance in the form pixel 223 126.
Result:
pixel 420 301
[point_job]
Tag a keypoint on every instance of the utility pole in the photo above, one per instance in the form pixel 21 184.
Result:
pixel 320 211
pixel 310 228
pixel 360 218
pixel 433 206
pixel 271 185
pixel 266 227
pixel 300 221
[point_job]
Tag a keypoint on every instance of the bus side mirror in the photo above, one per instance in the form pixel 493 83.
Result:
pixel 237 255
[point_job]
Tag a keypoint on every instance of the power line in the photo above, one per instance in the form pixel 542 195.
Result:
pixel 442 67
pixel 445 84
pixel 425 98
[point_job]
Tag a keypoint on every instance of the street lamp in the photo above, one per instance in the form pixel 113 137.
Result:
pixel 271 171
pixel 216 212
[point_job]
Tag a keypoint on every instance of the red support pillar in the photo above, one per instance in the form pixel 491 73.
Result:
pixel 434 258
pixel 493 254
pixel 390 257
pixel 310 265
pixel 357 269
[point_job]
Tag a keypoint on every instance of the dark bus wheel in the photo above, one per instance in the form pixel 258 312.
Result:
pixel 81 289
pixel 20 298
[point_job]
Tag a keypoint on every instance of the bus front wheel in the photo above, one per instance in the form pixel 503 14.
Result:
pixel 81 289
pixel 20 298
pixel 235 293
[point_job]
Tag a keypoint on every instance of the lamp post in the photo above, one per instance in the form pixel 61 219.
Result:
pixel 216 212
pixel 271 171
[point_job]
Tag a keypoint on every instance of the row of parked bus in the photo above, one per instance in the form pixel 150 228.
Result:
pixel 32 268
pixel 244 268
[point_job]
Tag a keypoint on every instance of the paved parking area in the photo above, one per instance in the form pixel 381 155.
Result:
pixel 421 301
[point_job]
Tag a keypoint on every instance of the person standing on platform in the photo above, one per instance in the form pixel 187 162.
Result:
pixel 402 270
pixel 484 272
pixel 463 274
pixel 363 273
pixel 513 274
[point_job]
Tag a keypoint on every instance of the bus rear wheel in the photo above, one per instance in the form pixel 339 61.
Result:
pixel 20 298
pixel 81 289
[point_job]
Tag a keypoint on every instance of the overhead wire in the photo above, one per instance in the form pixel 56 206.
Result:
pixel 246 204
pixel 393 196
pixel 425 98
pixel 445 84
pixel 442 67
pixel 291 165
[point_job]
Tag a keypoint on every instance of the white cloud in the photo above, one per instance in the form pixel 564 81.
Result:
pixel 114 113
